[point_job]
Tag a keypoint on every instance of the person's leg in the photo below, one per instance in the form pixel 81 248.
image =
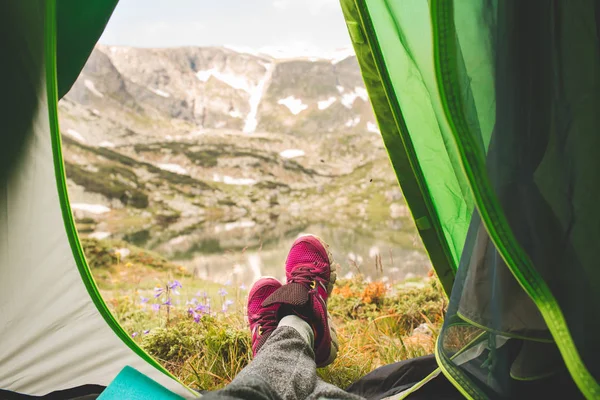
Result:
pixel 283 368
pixel 292 332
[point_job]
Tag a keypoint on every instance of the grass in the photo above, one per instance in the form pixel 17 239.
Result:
pixel 201 334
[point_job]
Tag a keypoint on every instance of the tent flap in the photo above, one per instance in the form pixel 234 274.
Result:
pixel 417 151
pixel 488 110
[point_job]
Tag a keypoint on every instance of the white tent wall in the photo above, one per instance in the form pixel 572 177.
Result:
pixel 52 335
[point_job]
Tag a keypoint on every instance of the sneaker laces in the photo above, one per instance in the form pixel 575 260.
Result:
pixel 266 320
pixel 305 274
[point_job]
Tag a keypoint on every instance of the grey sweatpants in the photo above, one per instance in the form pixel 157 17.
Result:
pixel 284 368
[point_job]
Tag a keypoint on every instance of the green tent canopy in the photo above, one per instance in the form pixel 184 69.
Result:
pixel 488 110
pixel 489 113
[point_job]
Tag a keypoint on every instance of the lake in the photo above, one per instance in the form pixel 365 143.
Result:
pixel 355 251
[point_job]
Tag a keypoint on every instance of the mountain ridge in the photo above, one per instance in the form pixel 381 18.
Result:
pixel 189 88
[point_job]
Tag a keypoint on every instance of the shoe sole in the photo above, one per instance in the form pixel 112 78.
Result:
pixel 333 268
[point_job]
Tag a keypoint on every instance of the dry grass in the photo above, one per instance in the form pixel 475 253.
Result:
pixel 375 324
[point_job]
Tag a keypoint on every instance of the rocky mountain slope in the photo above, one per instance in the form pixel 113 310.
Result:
pixel 190 89
pixel 190 150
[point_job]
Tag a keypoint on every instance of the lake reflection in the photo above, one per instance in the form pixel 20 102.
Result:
pixel 355 252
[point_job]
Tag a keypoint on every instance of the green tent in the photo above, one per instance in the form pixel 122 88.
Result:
pixel 487 110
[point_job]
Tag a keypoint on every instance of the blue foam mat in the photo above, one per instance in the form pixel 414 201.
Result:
pixel 130 384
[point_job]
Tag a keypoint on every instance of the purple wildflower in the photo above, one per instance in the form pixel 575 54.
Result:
pixel 202 294
pixel 155 307
pixel 147 331
pixel 143 299
pixel 134 334
pixel 175 284
pixel 159 291
pixel 242 287
pixel 228 303
pixel 168 302
pixel 202 308
pixel 197 317
pixel 222 292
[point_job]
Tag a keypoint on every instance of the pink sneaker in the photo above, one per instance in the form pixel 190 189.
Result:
pixel 263 320
pixel 311 273
pixel 310 262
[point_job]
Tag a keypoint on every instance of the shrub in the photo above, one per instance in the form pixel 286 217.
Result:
pixel 206 355
pixel 98 253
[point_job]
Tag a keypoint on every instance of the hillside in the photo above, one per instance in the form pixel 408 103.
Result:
pixel 194 152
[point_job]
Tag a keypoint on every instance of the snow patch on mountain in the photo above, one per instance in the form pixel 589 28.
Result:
pixel 312 54
pixel 293 104
pixel 76 135
pixel 323 104
pixel 91 208
pixel 352 122
pixel 92 88
pixel 228 180
pixel 255 97
pixel 235 114
pixel 175 168
pixel 349 98
pixel 292 153
pixel 99 235
pixel 106 143
pixel 371 127
pixel 160 92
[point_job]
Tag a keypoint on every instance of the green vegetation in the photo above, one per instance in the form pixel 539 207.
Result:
pixel 105 180
pixel 198 330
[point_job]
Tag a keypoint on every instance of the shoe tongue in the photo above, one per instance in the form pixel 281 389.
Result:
pixel 294 294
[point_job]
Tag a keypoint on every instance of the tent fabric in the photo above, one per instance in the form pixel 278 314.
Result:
pixel 496 103
pixel 535 187
pixel 54 332
pixel 417 144
pixel 79 26
pixel 395 381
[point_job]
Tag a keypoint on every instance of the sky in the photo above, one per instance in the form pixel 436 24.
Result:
pixel 300 26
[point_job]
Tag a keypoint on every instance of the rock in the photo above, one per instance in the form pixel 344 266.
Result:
pixel 422 329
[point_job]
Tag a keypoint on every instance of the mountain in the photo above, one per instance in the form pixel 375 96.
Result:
pixel 191 88
pixel 175 148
